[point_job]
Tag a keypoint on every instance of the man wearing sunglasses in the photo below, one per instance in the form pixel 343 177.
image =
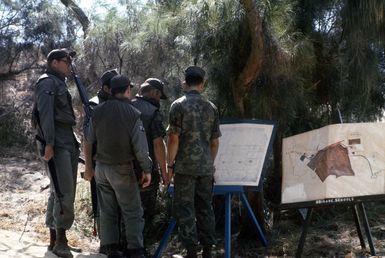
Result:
pixel 55 119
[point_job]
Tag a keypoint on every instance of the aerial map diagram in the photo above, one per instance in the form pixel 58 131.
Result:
pixel 242 152
pixel 335 161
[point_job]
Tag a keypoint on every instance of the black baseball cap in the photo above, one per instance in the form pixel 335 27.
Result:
pixel 107 76
pixel 120 81
pixel 155 83
pixel 60 53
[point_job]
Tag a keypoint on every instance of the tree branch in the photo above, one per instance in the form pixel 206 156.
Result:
pixel 79 14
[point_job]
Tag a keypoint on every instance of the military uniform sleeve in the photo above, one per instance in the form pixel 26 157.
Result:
pixel 216 132
pixel 45 95
pixel 175 119
pixel 140 146
pixel 89 132
pixel 156 128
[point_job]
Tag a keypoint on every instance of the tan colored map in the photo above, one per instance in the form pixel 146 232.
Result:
pixel 335 161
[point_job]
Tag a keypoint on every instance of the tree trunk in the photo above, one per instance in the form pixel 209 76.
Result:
pixel 253 65
pixel 80 15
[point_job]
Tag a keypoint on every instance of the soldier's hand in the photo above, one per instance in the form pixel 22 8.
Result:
pixel 48 152
pixel 88 174
pixel 170 175
pixel 166 179
pixel 146 180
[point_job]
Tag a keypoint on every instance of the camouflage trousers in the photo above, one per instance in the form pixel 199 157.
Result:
pixel 193 209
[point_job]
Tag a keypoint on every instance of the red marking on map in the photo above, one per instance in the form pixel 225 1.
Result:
pixel 331 160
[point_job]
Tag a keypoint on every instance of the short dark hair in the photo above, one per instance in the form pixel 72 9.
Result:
pixel 193 80
pixel 115 91
pixel 194 75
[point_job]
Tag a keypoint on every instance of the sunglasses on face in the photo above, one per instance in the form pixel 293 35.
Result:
pixel 68 62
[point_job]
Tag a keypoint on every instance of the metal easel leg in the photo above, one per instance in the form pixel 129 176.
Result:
pixel 228 225
pixel 163 242
pixel 261 236
pixel 367 229
pixel 305 227
pixel 358 225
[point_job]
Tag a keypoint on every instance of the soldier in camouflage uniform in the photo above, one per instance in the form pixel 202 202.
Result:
pixel 55 119
pixel 120 136
pixel 192 146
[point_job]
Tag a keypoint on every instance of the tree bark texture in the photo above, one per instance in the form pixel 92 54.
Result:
pixel 79 14
pixel 253 65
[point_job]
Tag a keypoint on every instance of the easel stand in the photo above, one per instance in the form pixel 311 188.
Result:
pixel 227 191
pixel 357 208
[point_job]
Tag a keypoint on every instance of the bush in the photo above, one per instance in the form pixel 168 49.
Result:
pixel 15 131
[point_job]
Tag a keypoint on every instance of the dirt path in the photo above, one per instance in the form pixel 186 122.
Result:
pixel 23 198
pixel 11 245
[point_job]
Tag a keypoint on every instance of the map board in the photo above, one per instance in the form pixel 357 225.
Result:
pixel 243 149
pixel 335 163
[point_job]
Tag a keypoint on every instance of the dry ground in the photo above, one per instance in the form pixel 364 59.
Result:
pixel 24 193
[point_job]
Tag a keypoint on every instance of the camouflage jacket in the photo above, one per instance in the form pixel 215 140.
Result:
pixel 196 121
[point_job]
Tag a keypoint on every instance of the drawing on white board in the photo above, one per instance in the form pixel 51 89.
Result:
pixel 241 154
pixel 341 160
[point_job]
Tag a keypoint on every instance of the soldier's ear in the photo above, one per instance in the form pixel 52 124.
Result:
pixel 106 89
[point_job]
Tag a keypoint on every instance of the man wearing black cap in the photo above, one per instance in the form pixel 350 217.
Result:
pixel 90 149
pixel 147 101
pixel 120 136
pixel 102 95
pixel 55 119
pixel 192 146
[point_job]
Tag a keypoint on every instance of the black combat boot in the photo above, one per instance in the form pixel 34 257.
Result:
pixel 52 239
pixel 191 252
pixel 61 247
pixel 112 251
pixel 135 253
pixel 207 251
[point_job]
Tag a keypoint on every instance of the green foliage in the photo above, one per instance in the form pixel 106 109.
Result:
pixel 13 131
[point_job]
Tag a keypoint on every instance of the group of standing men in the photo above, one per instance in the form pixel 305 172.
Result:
pixel 126 153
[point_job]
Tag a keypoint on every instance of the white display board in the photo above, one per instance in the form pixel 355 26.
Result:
pixel 243 148
pixel 336 161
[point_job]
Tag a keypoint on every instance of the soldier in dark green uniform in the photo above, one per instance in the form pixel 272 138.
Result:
pixel 192 146
pixel 120 136
pixel 53 107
